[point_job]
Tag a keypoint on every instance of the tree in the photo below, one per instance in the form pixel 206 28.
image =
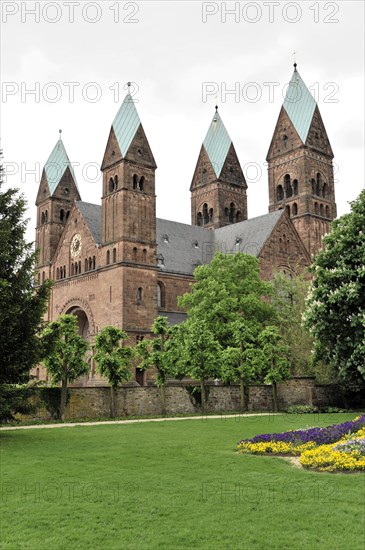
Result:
pixel 239 362
pixel 113 360
pixel 154 354
pixel 64 354
pixel 227 289
pixel 272 360
pixel 23 304
pixel 201 357
pixel 335 311
pixel 289 301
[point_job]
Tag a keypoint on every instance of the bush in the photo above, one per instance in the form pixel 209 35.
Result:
pixel 302 409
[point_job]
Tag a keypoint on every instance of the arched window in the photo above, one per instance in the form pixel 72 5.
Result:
pixel 321 209
pixel 313 181
pixel 141 183
pixel 64 271
pixel 43 218
pixel 199 219
pixel 135 181
pixel 144 255
pixel 46 216
pixel 62 215
pixel 115 182
pixel 231 212
pixel 238 216
pixel 205 213
pixel 295 209
pixel 57 274
pixel 79 266
pixel 139 296
pixel 316 207
pixel 318 185
pixel 72 270
pixel 114 255
pixel 111 185
pixel 134 254
pixel 279 193
pixel 86 265
pixel 107 257
pixel 324 190
pixel 43 277
pixel 94 262
pixel 76 268
pixel 287 208
pixel 67 214
pixel 210 215
pixel 287 186
pixel 295 187
pixel 160 295
pixel 226 214
pixel 327 211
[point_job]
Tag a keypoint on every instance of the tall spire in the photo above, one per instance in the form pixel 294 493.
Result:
pixel 126 123
pixel 217 143
pixel 56 166
pixel 299 104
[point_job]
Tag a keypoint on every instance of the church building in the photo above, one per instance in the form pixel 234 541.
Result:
pixel 117 264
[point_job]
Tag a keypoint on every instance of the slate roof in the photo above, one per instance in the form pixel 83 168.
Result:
pixel 56 166
pixel 217 143
pixel 173 317
pixel 126 124
pixel 299 105
pixel 248 236
pixel 92 217
pixel 182 247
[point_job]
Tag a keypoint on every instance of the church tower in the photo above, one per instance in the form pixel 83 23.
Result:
pixel 128 200
pixel 218 188
pixel 56 195
pixel 300 166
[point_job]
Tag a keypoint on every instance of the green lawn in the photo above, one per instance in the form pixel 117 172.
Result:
pixel 172 485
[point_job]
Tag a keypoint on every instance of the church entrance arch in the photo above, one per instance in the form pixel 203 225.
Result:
pixel 82 321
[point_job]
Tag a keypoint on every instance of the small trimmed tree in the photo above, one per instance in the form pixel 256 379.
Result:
pixel 272 360
pixel 64 354
pixel 154 354
pixel 113 360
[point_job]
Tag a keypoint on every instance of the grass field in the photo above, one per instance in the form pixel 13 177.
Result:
pixel 172 485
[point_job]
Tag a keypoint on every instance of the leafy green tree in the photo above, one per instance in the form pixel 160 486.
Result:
pixel 289 301
pixel 201 357
pixel 272 360
pixel 113 359
pixel 64 354
pixel 239 362
pixel 154 354
pixel 335 311
pixel 23 305
pixel 225 290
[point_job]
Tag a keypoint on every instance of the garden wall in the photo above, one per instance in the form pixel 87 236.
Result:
pixel 94 402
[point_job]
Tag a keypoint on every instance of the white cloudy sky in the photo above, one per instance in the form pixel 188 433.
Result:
pixel 173 56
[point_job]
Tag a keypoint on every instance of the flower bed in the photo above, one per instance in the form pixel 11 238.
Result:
pixel 315 446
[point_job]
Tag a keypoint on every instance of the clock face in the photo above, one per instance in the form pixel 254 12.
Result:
pixel 76 245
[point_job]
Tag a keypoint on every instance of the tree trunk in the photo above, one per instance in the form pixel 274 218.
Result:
pixel 63 399
pixel 113 402
pixel 275 396
pixel 242 396
pixel 203 396
pixel 163 399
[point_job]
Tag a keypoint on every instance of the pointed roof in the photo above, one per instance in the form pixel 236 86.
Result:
pixel 217 143
pixel 126 124
pixel 299 105
pixel 56 166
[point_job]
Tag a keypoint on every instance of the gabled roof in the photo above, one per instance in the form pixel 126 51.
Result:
pixel 91 214
pixel 299 105
pixel 126 124
pixel 248 236
pixel 217 143
pixel 56 166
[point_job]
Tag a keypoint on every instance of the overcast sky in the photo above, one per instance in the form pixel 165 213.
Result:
pixel 183 58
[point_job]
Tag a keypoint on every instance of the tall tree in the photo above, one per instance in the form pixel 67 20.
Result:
pixel 64 354
pixel 272 360
pixel 201 358
pixel 154 354
pixel 335 311
pixel 23 304
pixel 239 361
pixel 227 289
pixel 289 300
pixel 113 359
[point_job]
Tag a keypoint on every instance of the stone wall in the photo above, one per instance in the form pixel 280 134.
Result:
pixel 94 402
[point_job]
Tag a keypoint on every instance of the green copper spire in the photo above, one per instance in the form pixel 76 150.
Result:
pixel 299 105
pixel 126 124
pixel 56 166
pixel 217 143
